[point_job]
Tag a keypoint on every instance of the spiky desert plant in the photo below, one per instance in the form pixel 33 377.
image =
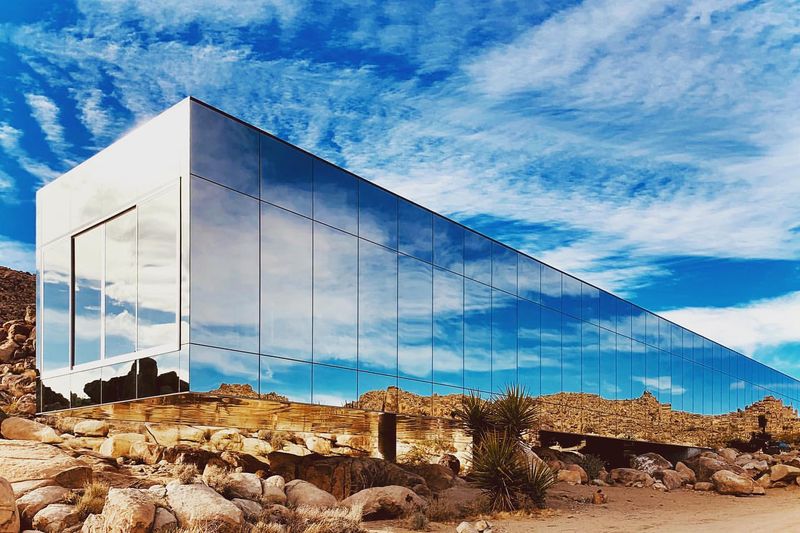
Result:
pixel 498 471
pixel 477 415
pixel 538 479
pixel 514 411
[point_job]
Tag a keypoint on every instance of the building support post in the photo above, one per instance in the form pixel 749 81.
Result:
pixel 387 436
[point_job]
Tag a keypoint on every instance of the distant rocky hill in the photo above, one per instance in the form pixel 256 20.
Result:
pixel 17 290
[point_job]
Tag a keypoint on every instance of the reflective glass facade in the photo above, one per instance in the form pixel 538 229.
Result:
pixel 294 279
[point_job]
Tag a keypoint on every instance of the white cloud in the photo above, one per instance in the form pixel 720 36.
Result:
pixel 9 142
pixel 46 113
pixel 748 328
pixel 17 255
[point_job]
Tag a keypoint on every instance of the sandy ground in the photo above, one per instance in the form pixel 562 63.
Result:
pixel 633 510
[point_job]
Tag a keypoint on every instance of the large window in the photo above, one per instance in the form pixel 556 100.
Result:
pixel 125 285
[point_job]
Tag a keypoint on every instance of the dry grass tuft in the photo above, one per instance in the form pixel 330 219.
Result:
pixel 417 522
pixel 89 500
pixel 312 520
pixel 185 473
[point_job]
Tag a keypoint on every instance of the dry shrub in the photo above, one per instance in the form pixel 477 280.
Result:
pixel 185 473
pixel 417 522
pixel 313 520
pixel 440 510
pixel 89 500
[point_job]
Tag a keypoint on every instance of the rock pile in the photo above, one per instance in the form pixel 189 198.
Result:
pixel 17 292
pixel 18 374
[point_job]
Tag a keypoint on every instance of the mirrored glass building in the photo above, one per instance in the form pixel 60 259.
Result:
pixel 200 254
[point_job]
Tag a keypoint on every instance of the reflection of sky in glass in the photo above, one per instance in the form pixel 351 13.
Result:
pixel 377 215
pixel 88 293
pixel 551 351
pixel 529 345
pixel 414 303
pixel 530 278
pixel 590 359
pixel 504 268
pixel 571 296
pixel 290 379
pixel 551 288
pixel 377 312
pixel 590 303
pixel 120 288
pixel 335 197
pixel 570 354
pixel 414 230
pixel 54 329
pixel 212 367
pixel 334 386
pixel 286 277
pixel 448 245
pixel 448 328
pixel 504 340
pixel 285 176
pixel 624 371
pixel 477 336
pixel 477 257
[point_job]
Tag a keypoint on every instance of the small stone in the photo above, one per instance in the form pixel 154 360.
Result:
pixel 782 472
pixel 275 481
pixel 570 477
pixel 703 486
pixel 466 527
pixel 272 495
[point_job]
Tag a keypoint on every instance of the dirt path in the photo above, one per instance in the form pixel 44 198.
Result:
pixel 634 510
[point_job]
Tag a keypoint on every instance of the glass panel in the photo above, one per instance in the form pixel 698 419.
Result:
pixel 504 340
pixel 571 354
pixel 697 381
pixel 652 371
pixel 55 393
pixel 285 380
pixel 624 370
pixel 638 323
pixel 160 375
pixel 223 372
pixel 590 359
pixel 624 312
pixel 676 383
pixel 608 363
pixel 415 230
pixel 448 245
pixel 377 215
pixel 638 369
pixel 422 405
pixel 224 150
pixel 377 312
pixel 551 351
pixel 529 347
pixel 551 288
pixel 664 377
pixel 56 259
pixel 608 311
pixel 590 303
pixel 504 268
pixel 88 294
pixel 120 293
pixel 663 334
pixel 335 197
pixel 377 392
pixel 571 296
pixel 157 247
pixel 286 276
pixel 708 392
pixel 415 318
pixel 119 382
pixel 477 336
pixel 688 385
pixel 335 296
pixel 651 329
pixel 530 278
pixel 676 340
pixel 334 386
pixel 477 257
pixel 225 268
pixel 285 176
pixel 446 400
pixel 448 328
pixel 85 388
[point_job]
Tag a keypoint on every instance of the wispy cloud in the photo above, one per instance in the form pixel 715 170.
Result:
pixel 17 255
pixel 9 142
pixel 46 113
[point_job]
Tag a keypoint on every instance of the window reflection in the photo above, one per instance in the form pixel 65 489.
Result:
pixel 285 176
pixel 284 380
pixel 608 364
pixel 415 301
pixel 608 311
pixel 286 276
pixel 571 354
pixel 119 382
pixel 120 285
pixel 377 215
pixel 551 288
pixel 504 340
pixel 504 268
pixel 448 328
pixel 85 388
pixel 335 296
pixel 676 383
pixel 571 296
pixel 225 268
pixel 159 375
pixel 157 246
pixel 377 312
pixel 624 383
pixel 638 369
pixel 477 257
pixel 624 313
pixel 529 346
pixel 415 230
pixel 477 336
pixel 590 303
pixel 530 278
pixel 55 393
pixel 224 150
pixel 551 351
pixel 590 359
pixel 422 404
pixel 88 294
pixel 54 330
pixel 448 245
pixel 377 392
pixel 222 372
pixel 336 387
pixel 335 197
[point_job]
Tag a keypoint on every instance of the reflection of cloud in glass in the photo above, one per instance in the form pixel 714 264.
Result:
pixel 660 383
pixel 377 313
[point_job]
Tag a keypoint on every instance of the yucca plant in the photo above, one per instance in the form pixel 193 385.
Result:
pixel 515 412
pixel 538 479
pixel 477 415
pixel 497 469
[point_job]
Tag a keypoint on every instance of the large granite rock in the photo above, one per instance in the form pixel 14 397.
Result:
pixel 91 428
pixel 436 476
pixel 386 502
pixel 164 521
pixel 174 434
pixel 631 476
pixel 201 507
pixel 9 516
pixel 650 462
pixel 302 493
pixel 570 477
pixel 27 461
pixel 56 518
pixel 343 476
pixel 119 444
pixel 705 466
pixel 686 473
pixel 671 479
pixel 36 500
pixel 726 482
pixel 16 428
pixel 782 472
pixel 129 510
pixel 729 454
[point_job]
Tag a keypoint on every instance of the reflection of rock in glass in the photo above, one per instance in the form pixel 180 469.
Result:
pixel 151 382
pixel 243 390
pixel 52 400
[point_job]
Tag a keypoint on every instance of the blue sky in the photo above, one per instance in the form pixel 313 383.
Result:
pixel 650 147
